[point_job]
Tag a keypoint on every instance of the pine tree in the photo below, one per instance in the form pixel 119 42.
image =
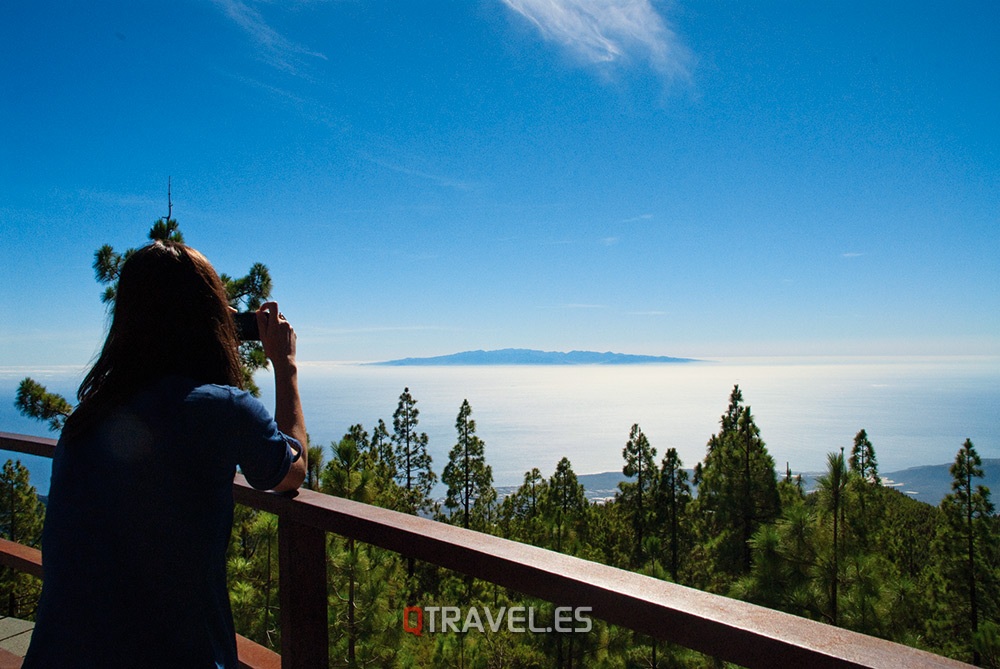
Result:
pixel 609 535
pixel 737 490
pixel 35 401
pixel 637 496
pixel 248 293
pixel 470 496
pixel 863 485
pixel 786 564
pixel 521 513
pixel 346 476
pixel 315 466
pixel 252 570
pixel 968 550
pixel 413 463
pixel 565 505
pixel 380 450
pixel 381 458
pixel 672 498
pixel 21 519
pixel 833 486
pixel 863 461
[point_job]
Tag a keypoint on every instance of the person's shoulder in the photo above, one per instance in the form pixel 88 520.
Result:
pixel 223 398
pixel 214 392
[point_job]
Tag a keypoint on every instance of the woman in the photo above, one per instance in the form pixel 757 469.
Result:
pixel 141 506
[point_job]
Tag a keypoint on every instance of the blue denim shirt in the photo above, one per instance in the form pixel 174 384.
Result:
pixel 137 526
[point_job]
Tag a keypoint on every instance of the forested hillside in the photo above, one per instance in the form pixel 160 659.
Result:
pixel 852 553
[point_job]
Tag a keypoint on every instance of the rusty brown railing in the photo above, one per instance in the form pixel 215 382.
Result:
pixel 729 629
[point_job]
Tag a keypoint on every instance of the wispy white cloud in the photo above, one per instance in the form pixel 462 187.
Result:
pixel 41 372
pixel 636 219
pixel 851 255
pixel 275 48
pixel 307 107
pixel 438 179
pixel 374 329
pixel 608 31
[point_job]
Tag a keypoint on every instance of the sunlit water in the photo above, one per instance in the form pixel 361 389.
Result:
pixel 916 411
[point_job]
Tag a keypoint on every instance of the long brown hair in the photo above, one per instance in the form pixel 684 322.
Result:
pixel 171 316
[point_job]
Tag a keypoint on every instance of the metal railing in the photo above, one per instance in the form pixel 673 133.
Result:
pixel 725 628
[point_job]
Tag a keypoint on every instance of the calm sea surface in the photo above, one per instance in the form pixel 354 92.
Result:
pixel 917 411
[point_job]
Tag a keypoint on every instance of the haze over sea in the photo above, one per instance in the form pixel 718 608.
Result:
pixel 916 410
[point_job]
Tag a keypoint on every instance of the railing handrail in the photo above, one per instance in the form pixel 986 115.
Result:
pixel 24 443
pixel 726 628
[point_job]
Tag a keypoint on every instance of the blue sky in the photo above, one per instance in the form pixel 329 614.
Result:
pixel 687 178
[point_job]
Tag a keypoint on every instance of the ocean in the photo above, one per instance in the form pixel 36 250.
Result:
pixel 916 411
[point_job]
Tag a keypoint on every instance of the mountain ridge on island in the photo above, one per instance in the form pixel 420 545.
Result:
pixel 525 356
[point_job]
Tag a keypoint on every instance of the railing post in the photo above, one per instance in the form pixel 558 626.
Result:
pixel 302 574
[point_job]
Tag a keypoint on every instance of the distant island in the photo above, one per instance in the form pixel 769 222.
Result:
pixel 524 356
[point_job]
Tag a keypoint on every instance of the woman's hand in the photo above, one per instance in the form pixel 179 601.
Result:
pixel 276 334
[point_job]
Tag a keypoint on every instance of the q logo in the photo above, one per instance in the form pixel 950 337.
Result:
pixel 410 627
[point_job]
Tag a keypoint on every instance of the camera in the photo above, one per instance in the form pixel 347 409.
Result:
pixel 246 326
